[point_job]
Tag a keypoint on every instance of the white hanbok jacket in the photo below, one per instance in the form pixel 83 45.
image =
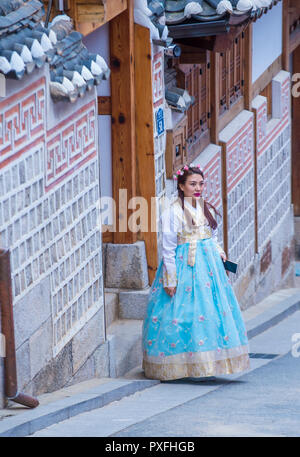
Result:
pixel 177 229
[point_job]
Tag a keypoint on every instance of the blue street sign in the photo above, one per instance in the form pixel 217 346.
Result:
pixel 160 123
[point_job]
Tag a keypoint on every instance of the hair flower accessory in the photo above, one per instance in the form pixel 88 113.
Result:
pixel 175 177
pixel 192 165
pixel 186 167
pixel 180 172
pixel 199 166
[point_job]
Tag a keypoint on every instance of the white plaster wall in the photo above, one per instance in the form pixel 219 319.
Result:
pixel 98 42
pixel 267 40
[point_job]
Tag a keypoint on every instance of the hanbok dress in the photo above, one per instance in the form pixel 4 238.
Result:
pixel 199 332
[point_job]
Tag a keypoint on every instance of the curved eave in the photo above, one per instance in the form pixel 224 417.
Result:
pixel 260 11
pixel 198 29
pixel 211 28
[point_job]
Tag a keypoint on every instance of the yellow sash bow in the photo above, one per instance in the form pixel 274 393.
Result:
pixel 193 223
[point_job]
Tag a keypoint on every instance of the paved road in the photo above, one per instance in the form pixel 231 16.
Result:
pixel 266 402
pixel 262 402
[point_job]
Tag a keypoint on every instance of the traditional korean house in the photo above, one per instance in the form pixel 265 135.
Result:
pixel 212 86
pixel 235 75
pixel 205 81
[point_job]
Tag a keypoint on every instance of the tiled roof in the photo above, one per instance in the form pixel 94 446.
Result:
pixel 201 17
pixel 217 17
pixel 25 44
pixel 179 11
pixel 179 99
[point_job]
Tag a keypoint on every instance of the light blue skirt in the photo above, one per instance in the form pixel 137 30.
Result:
pixel 199 331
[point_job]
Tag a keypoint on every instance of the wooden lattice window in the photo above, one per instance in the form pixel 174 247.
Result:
pixel 195 79
pixel 232 74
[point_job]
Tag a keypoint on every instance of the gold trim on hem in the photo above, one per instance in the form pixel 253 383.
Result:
pixel 171 371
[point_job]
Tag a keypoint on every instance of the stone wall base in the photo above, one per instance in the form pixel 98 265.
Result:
pixel 269 273
pixel 297 237
pixel 82 358
pixel 125 265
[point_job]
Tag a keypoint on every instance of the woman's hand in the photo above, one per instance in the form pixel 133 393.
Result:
pixel 170 290
pixel 223 256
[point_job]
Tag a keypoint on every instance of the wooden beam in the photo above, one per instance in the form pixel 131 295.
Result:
pixel 224 42
pixel 88 15
pixel 107 234
pixel 229 115
pixel 92 14
pixel 104 105
pixel 114 7
pixel 248 67
pixel 123 119
pixel 259 85
pixel 294 12
pixel 285 35
pixel 215 96
pixel 145 139
pixel 296 140
pixel 190 54
pixel 90 11
pixel 214 43
pixel 294 39
pixel 255 184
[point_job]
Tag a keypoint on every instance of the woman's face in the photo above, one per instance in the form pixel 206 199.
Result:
pixel 193 186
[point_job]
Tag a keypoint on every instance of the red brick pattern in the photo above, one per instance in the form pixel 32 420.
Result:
pixel 49 189
pixel 212 188
pixel 273 164
pixel 158 84
pixel 239 153
pixel 71 144
pixel 22 121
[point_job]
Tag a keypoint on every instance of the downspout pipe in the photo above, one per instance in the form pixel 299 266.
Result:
pixel 7 320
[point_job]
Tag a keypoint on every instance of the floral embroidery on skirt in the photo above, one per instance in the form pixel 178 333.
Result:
pixel 199 331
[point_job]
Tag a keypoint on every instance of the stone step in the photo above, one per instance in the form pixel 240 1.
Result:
pixel 125 346
pixel 133 303
pixel 111 307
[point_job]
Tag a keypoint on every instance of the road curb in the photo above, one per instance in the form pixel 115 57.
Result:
pixel 32 421
pixel 273 316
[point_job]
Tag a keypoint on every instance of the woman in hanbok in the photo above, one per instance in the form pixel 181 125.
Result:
pixel 193 326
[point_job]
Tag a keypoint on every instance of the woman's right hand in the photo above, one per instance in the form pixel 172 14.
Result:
pixel 170 291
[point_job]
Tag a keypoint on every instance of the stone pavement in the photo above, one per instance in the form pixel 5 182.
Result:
pixel 261 401
pixel 95 393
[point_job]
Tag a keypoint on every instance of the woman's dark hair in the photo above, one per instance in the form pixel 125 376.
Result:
pixel 181 179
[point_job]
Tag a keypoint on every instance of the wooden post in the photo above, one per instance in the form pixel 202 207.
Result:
pixel 123 119
pixel 224 195
pixel 255 156
pixel 248 67
pixel 296 139
pixel 215 96
pixel 285 35
pixel 145 139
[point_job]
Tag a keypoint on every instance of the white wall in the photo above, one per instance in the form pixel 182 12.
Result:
pixel 267 40
pixel 98 42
